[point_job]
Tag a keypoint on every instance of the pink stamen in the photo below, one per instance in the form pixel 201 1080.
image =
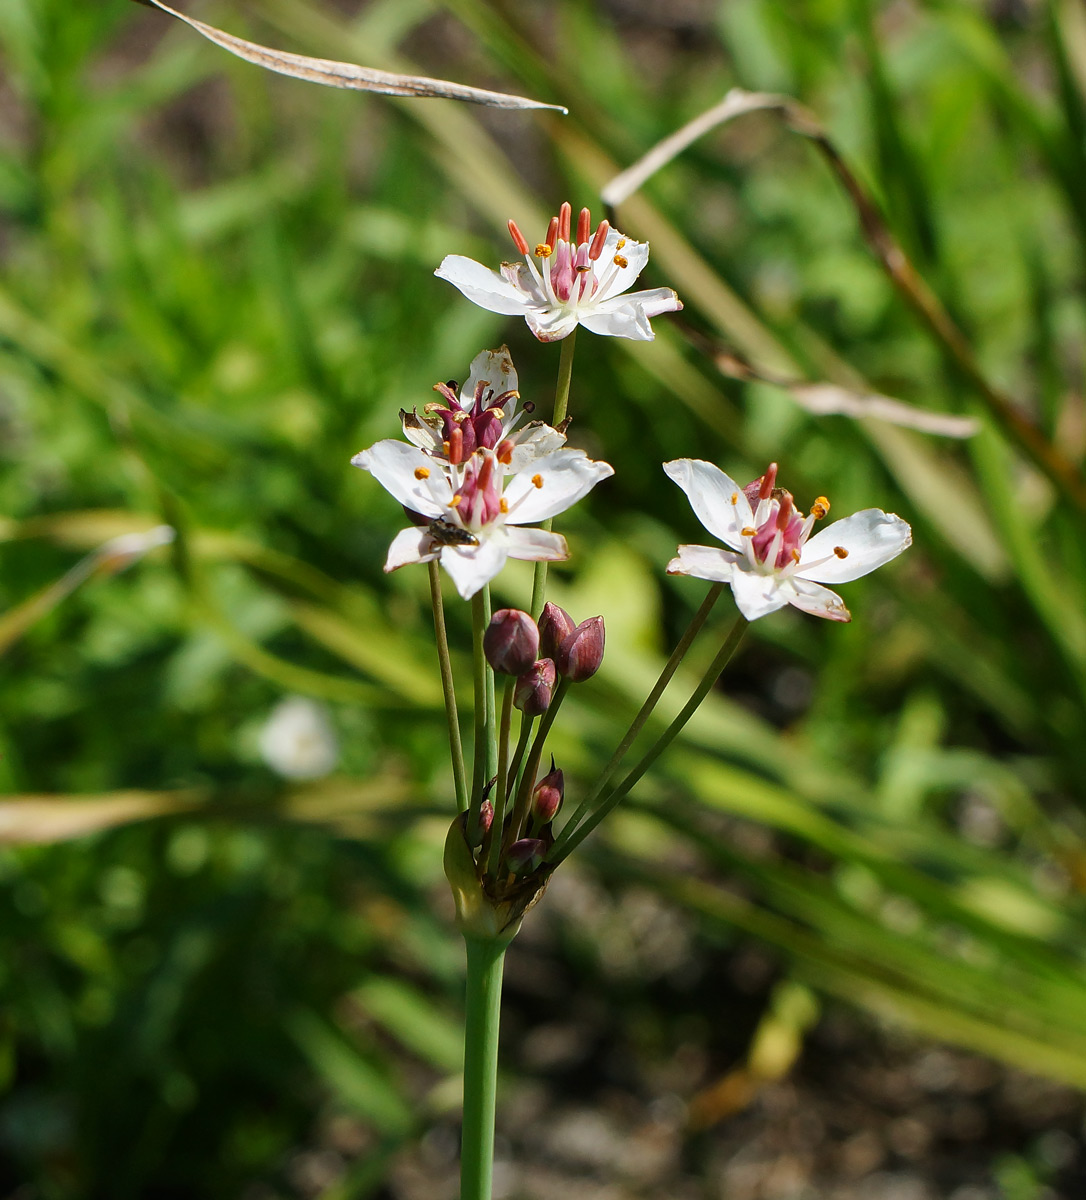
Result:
pixel 562 274
pixel 596 249
pixel 565 214
pixel 456 445
pixel 584 226
pixel 518 237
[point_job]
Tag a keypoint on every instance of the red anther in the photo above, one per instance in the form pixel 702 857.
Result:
pixel 596 249
pixel 584 226
pixel 504 452
pixel 518 237
pixel 565 215
pixel 456 445
pixel 552 233
pixel 485 471
pixel 784 514
pixel 769 481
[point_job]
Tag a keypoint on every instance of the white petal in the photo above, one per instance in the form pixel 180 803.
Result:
pixel 636 255
pixel 551 485
pixel 628 316
pixel 813 598
pixel 537 545
pixel 717 500
pixel 472 567
pixel 409 475
pixel 527 282
pixel 412 545
pixel 703 562
pixel 418 431
pixel 495 369
pixel 551 324
pixel 870 538
pixel 538 441
pixel 481 285
pixel 757 595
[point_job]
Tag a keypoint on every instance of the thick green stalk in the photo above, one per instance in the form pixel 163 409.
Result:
pixel 561 403
pixel 456 750
pixel 660 745
pixel 492 844
pixel 482 1015
pixel 646 710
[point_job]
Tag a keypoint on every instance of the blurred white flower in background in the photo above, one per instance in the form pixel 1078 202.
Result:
pixel 298 741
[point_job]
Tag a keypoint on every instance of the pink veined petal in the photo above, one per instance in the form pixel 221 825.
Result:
pixel 537 545
pixel 870 538
pixel 482 286
pixel 815 599
pixel 409 546
pixel 472 567
pixel 394 465
pixel 711 494
pixel 551 324
pixel 757 595
pixel 704 562
pixel 551 485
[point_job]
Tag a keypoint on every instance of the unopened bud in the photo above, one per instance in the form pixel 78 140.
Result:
pixel 525 855
pixel 532 695
pixel 486 819
pixel 581 653
pixel 511 641
pixel 555 625
pixel 548 794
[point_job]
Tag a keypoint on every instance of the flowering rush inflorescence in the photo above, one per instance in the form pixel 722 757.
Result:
pixel 566 281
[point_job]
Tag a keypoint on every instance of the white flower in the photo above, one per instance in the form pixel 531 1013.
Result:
pixel 473 512
pixel 771 562
pixel 297 740
pixel 576 282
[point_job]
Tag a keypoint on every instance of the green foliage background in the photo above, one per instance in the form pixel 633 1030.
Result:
pixel 216 285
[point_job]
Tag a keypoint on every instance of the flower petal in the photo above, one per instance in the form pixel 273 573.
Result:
pixel 550 324
pixel 717 500
pixel 413 545
pixel 536 442
pixel 472 567
pixel 495 369
pixel 556 483
pixel 408 475
pixel 757 595
pixel 628 316
pixel 619 278
pixel 481 285
pixel 703 562
pixel 815 599
pixel 537 545
pixel 869 538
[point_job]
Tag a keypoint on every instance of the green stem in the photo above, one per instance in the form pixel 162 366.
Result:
pixel 646 710
pixel 492 843
pixel 456 750
pixel 480 753
pixel 531 767
pixel 526 724
pixel 491 706
pixel 660 745
pixel 561 403
pixel 482 1015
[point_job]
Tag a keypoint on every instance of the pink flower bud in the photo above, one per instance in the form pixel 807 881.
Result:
pixel 511 641
pixel 525 855
pixel 486 819
pixel 532 695
pixel 555 625
pixel 548 794
pixel 581 652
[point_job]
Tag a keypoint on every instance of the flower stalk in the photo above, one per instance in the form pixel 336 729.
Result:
pixel 456 749
pixel 485 961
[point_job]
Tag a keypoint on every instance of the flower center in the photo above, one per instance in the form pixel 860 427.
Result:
pixel 480 494
pixel 567 264
pixel 779 531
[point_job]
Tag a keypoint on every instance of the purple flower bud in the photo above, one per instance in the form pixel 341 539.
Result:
pixel 486 819
pixel 548 794
pixel 532 695
pixel 555 625
pixel 511 641
pixel 525 855
pixel 581 652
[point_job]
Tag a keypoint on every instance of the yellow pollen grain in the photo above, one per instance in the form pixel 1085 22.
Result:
pixel 620 261
pixel 445 448
pixel 503 505
pixel 795 555
pixel 746 531
pixel 620 243
pixel 543 250
pixel 735 497
pixel 820 507
pixel 455 500
pixel 840 551
pixel 537 481
pixel 422 472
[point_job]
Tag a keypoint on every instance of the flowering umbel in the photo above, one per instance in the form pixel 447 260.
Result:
pixel 773 560
pixel 571 278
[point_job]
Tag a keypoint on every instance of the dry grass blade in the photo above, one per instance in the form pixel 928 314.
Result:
pixel 886 248
pixel 39 820
pixel 348 75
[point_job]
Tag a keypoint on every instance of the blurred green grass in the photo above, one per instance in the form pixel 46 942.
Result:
pixel 217 285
